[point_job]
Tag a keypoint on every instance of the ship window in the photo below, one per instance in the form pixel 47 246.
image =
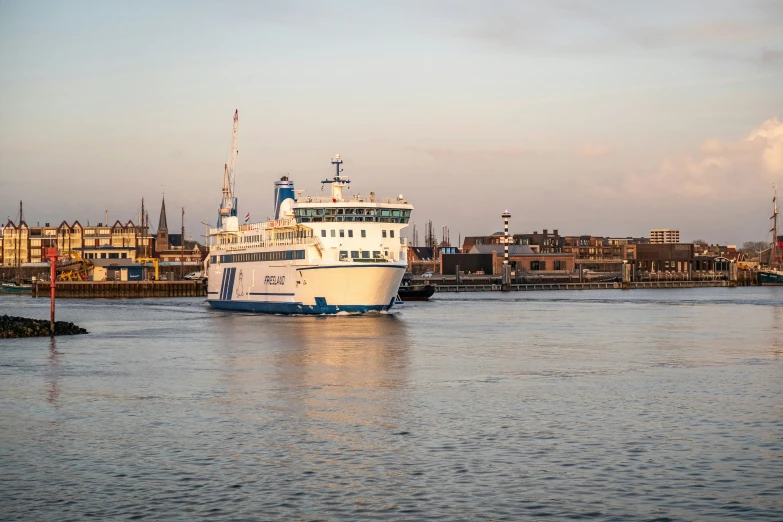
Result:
pixel 383 220
pixel 349 211
pixel 395 213
pixel 342 233
pixel 318 212
pixel 339 218
pixel 360 211
pixel 323 233
pixel 343 255
pixel 376 254
pixel 365 255
pixel 364 233
pixel 306 212
pixel 354 254
pixel 350 233
pixel 349 218
pixel 340 211
pixel 333 234
pixel 330 212
pixel 305 220
pixel 391 233
pixel 385 212
pixel 383 233
pixel 371 212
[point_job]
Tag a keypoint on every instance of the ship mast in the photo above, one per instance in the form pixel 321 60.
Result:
pixel 774 252
pixel 339 181
pixel 228 204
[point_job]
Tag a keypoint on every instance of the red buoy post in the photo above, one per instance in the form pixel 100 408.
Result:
pixel 52 254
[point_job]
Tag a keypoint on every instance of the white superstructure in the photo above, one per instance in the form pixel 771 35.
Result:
pixel 319 255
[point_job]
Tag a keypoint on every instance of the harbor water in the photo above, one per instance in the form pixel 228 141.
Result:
pixel 607 405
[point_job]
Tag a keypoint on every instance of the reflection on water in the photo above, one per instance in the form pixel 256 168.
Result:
pixel 53 373
pixel 307 365
pixel 776 332
pixel 609 405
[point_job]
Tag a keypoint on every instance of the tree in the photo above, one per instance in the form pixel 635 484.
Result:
pixel 752 248
pixel 700 242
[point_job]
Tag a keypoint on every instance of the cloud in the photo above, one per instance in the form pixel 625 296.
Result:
pixel 479 154
pixel 771 57
pixel 720 171
pixel 577 27
pixel 594 151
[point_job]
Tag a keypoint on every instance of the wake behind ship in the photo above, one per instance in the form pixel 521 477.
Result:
pixel 317 256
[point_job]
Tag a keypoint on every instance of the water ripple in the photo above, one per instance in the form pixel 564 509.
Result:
pixel 640 405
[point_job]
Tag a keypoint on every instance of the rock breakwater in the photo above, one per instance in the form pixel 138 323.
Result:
pixel 13 327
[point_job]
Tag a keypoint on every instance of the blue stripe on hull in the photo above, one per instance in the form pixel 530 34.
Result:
pixel 353 265
pixel 267 307
pixel 231 276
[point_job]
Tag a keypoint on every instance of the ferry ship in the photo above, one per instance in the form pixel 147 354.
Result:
pixel 319 255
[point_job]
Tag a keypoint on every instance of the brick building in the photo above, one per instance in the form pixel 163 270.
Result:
pixel 489 259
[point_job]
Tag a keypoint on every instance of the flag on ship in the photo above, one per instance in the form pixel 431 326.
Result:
pixel 247 217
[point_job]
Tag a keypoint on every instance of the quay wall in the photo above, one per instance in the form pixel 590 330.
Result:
pixel 121 289
pixel 583 286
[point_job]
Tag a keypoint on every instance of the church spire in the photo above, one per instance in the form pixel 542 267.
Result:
pixel 162 224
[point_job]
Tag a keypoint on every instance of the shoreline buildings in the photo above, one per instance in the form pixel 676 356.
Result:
pixel 22 244
pixel 113 247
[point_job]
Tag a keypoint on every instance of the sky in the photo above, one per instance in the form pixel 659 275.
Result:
pixel 607 118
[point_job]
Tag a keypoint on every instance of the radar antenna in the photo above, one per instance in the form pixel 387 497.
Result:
pixel 338 182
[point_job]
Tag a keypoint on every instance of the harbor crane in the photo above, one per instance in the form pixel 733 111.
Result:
pixel 228 204
pixel 154 261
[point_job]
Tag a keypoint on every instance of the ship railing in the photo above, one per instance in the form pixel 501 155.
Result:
pixel 306 241
pixel 356 199
pixel 264 225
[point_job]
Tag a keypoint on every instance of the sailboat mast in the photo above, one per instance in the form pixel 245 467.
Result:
pixel 774 259
pixel 19 240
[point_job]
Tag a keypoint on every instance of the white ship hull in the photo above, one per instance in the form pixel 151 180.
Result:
pixel 317 256
pixel 304 289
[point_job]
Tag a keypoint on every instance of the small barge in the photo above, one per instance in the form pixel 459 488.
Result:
pixel 411 292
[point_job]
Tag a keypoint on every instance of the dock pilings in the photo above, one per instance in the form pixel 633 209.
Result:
pixel 121 289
